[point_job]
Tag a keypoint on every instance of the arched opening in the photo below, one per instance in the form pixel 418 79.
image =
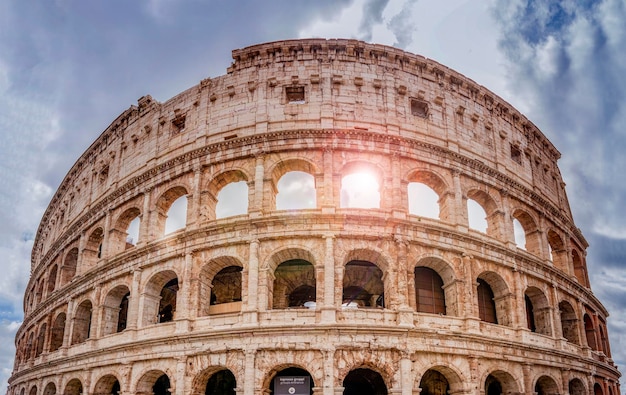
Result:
pixel 52 280
pixel 93 249
pixel 58 331
pixel 176 215
pixel 604 340
pixel 171 211
pixel 225 293
pixel 68 270
pixel 576 387
pixel 294 284
pixel 429 292
pixel 107 385
pixel 30 345
pixel 125 233
pixel 132 234
pixel 221 383
pixel 115 310
pixel 73 387
pixel 82 323
pixel 519 233
pixel 590 332
pixel 569 322
pixel 154 382
pixel 363 285
pixel 537 311
pixel 33 390
pixel 493 386
pixel 232 200
pixel 486 303
pixel 50 389
pixel 167 304
pixel 362 381
pixel 296 190
pixel 597 389
pixel 476 216
pixel 423 200
pixel 292 380
pixel 159 298
pixel 558 254
pixel 41 338
pixel 434 383
pixel 580 269
pixel 546 386
pixel 360 188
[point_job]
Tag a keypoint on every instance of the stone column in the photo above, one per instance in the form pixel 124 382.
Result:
pixel 329 371
pixel 256 204
pixel 249 373
pixel 133 318
pixel 329 302
pixel 406 377
pixel 459 213
pixel 329 202
pixel 251 310
pixel 67 333
pixel 528 384
pixel 193 199
pixel 179 381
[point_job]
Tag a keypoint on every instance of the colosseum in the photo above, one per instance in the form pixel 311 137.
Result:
pixel 329 217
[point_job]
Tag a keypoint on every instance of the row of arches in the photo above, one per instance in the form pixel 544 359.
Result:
pixel 295 379
pixel 427 193
pixel 294 282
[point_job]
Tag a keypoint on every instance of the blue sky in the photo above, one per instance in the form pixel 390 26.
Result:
pixel 69 67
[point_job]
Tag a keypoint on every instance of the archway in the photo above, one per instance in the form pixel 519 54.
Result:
pixel 222 382
pixel 363 381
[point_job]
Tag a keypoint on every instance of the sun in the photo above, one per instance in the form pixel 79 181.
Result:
pixel 360 190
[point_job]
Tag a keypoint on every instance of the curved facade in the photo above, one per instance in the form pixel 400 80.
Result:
pixel 463 273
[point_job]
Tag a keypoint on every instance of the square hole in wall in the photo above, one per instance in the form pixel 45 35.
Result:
pixel 295 94
pixel 419 108
pixel 516 154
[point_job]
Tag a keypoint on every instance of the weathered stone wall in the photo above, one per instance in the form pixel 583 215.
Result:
pixel 103 312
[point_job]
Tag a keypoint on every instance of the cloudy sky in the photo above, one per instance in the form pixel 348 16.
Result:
pixel 69 67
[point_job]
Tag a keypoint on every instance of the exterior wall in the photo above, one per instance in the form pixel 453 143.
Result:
pixel 407 119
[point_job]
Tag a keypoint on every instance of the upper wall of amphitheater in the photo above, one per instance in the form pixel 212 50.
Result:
pixel 393 100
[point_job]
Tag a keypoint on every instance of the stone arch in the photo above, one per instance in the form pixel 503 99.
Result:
pixel 597 389
pixel 501 301
pixel 41 339
pixel 569 322
pixel 294 165
pixel 436 183
pixel 446 273
pixel 33 390
pixel 558 253
pixel 52 279
pixel 287 370
pixel 538 316
pixel 107 385
pixel 81 323
pixel 215 380
pixel 294 284
pixel 532 234
pixel 120 238
pixel 57 332
pixel 73 387
pixel 490 208
pixel 576 386
pixel 603 337
pixel 115 310
pixel 163 205
pixel 453 376
pixel 159 298
pixel 363 285
pixel 217 185
pixel 68 269
pixel 580 268
pixel 365 380
pixel 153 382
pixel 546 385
pixel 93 249
pixel 50 389
pixel 220 286
pixel 367 168
pixel 590 332
pixel 500 382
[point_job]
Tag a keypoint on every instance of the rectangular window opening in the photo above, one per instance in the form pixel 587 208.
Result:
pixel 295 94
pixel 419 108
pixel 516 154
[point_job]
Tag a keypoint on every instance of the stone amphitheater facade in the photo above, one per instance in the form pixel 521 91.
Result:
pixel 359 300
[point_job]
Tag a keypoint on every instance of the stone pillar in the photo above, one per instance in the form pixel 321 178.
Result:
pixel 95 331
pixel 179 380
pixel 251 310
pixel 329 371
pixel 508 233
pixel 329 302
pixel 528 383
pixel 133 318
pixel 406 384
pixel 256 203
pixel 328 202
pixel 67 333
pixel 193 199
pixel 459 213
pixel 249 373
pixel 565 381
pixel 184 305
